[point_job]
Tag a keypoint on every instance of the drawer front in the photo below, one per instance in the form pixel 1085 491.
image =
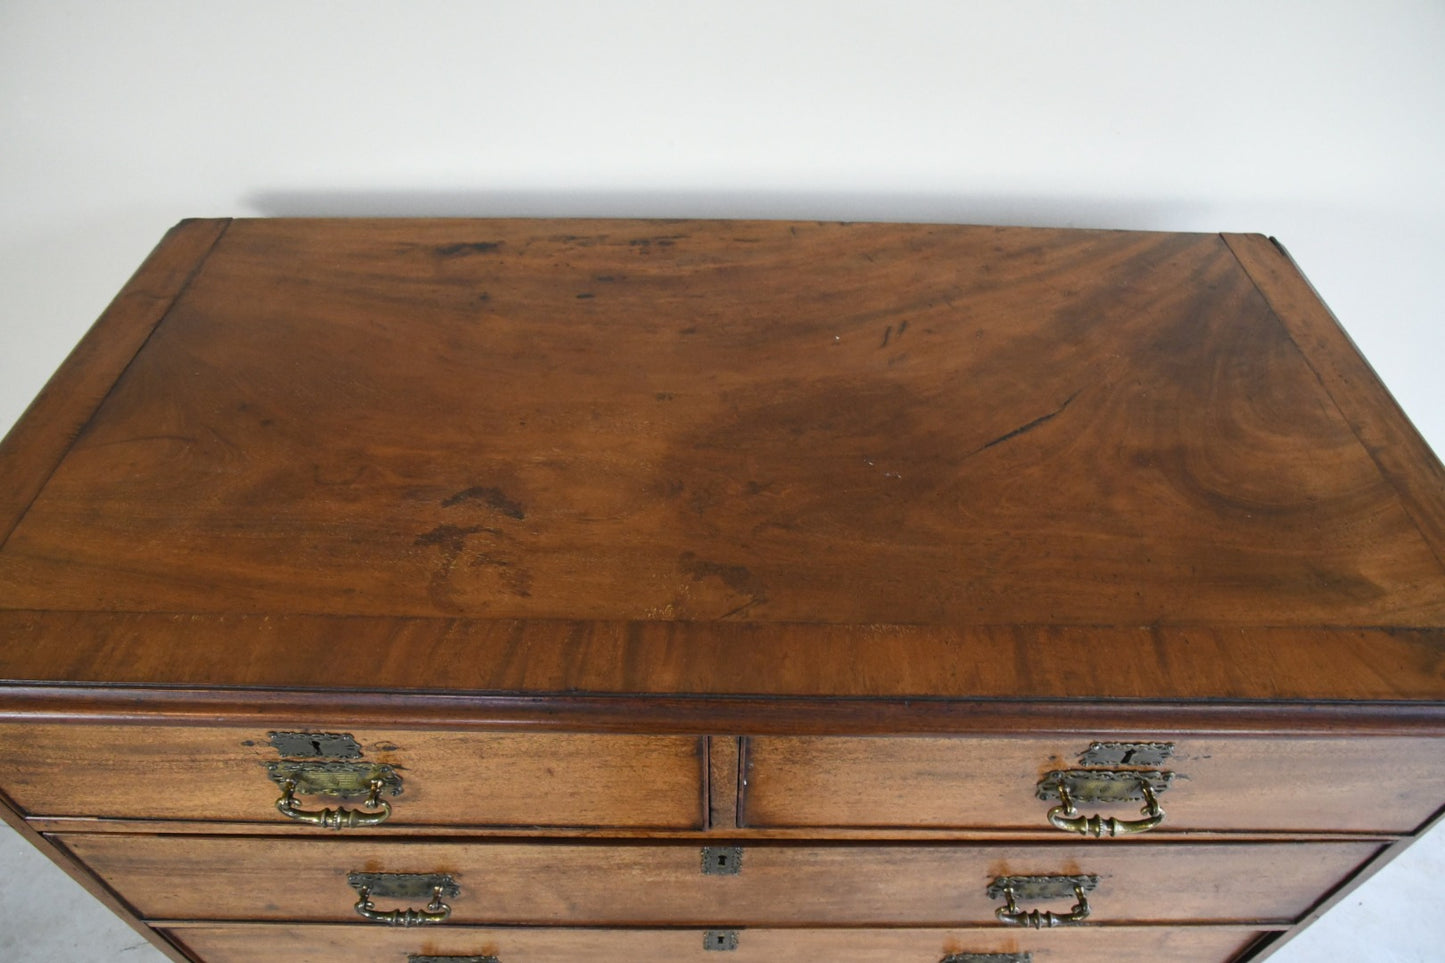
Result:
pixel 1365 785
pixel 350 944
pixel 445 778
pixel 258 878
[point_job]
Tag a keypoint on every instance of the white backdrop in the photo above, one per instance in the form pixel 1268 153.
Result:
pixel 1322 123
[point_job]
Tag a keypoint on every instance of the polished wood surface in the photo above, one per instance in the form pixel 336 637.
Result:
pixel 348 944
pixel 690 422
pixel 660 883
pixel 1366 785
pixel 449 778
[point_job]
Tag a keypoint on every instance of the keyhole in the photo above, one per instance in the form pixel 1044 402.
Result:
pixel 1128 759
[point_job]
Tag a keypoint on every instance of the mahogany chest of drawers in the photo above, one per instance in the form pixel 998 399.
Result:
pixel 531 591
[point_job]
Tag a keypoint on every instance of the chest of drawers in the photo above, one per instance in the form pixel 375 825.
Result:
pixel 534 591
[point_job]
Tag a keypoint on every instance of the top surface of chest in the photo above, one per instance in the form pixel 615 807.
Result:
pixel 822 428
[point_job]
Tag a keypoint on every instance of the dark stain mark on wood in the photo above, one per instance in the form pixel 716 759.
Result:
pixel 1030 426
pixel 493 498
pixel 609 277
pixel 663 396
pixel 584 295
pixel 471 247
pixel 451 539
pixel 689 330
pixel 738 578
pixel 887 333
pixel 902 327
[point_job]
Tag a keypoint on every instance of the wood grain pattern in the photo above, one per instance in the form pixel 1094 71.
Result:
pixel 1384 430
pixel 476 779
pixel 550 882
pixel 241 943
pixel 1155 663
pixel 38 441
pixel 1370 785
pixel 715 420
pixel 724 784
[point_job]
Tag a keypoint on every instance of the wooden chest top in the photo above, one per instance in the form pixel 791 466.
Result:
pixel 722 458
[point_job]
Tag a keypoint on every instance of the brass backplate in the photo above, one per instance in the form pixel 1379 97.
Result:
pixel 1103 785
pixel 988 958
pixel 413 958
pixel 720 940
pixel 348 780
pixel 404 886
pixel 1041 887
pixel 1126 754
pixel 315 745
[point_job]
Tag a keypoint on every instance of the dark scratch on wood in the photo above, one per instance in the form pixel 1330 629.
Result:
pixel 887 333
pixel 1030 426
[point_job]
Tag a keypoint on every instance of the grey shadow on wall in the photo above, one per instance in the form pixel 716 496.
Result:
pixel 1002 209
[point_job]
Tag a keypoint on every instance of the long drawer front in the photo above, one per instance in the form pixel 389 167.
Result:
pixel 642 884
pixel 240 943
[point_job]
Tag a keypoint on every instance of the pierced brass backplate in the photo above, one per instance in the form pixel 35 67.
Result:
pixel 343 779
pixel 1041 887
pixel 988 958
pixel 1126 754
pixel 315 745
pixel 720 940
pixel 722 860
pixel 404 886
pixel 1103 785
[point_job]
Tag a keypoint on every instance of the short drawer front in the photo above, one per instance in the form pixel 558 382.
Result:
pixel 1364 785
pixel 445 778
pixel 257 878
pixel 350 944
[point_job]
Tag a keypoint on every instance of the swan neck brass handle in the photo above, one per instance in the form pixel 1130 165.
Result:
pixel 1013 889
pixel 1068 818
pixel 377 810
pixel 1107 787
pixel 1011 915
pixel 436 911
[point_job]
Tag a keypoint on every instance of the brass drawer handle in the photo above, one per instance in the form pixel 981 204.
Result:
pixel 341 817
pixel 1107 786
pixel 346 780
pixel 1014 888
pixel 1064 816
pixel 434 912
pixel 404 886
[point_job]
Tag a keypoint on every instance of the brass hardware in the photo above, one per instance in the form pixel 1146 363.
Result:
pixel 414 958
pixel 722 860
pixel 1104 786
pixel 315 745
pixel 988 958
pixel 720 940
pixel 1015 888
pixel 342 779
pixel 1126 754
pixel 408 886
